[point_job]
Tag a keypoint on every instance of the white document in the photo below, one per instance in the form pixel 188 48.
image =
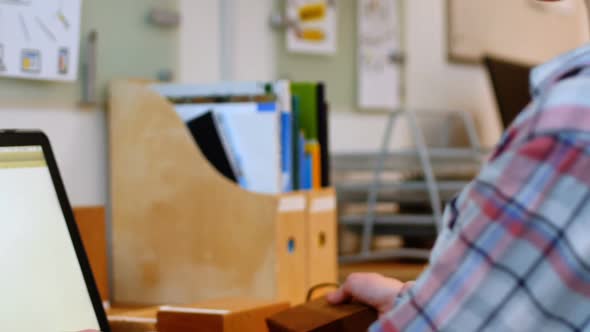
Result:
pixel 256 138
pixel 188 112
pixel 246 88
pixel 313 26
pixel 40 39
pixel 378 40
pixel 251 131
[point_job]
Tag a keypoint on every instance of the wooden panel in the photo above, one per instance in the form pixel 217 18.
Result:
pixel 321 232
pixel 143 320
pixel 253 319
pixel 118 310
pixel 92 225
pixel 291 248
pixel 225 315
pixel 171 321
pixel 182 233
pixel 133 325
pixel 526 30
pixel 237 304
pixel 318 316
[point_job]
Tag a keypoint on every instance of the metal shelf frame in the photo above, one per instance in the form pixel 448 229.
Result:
pixel 425 157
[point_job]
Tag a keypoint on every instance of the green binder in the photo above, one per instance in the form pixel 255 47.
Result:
pixel 308 105
pixel 296 130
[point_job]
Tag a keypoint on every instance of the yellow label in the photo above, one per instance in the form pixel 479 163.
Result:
pixel 312 12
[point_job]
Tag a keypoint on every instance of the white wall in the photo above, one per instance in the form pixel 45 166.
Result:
pixel 79 142
pixel 199 41
pixel 254 47
pixel 432 82
pixel 79 136
pixel 240 49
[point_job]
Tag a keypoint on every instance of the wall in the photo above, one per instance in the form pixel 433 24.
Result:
pixel 127 47
pixel 199 41
pixel 80 136
pixel 79 142
pixel 529 31
pixel 254 48
pixel 226 40
pixel 432 83
pixel 338 71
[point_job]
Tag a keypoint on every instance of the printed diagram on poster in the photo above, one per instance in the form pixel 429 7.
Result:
pixel 312 26
pixel 40 39
pixel 379 44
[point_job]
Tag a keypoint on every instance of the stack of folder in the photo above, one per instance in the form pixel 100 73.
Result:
pixel 267 137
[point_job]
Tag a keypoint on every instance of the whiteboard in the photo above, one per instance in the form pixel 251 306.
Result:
pixel 40 39
pixel 378 39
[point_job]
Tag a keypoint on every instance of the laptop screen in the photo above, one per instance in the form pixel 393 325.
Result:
pixel 42 285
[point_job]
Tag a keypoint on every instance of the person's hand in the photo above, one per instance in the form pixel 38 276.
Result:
pixel 371 289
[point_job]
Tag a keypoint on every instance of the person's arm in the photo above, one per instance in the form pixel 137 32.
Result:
pixel 510 256
pixel 383 293
pixel 371 289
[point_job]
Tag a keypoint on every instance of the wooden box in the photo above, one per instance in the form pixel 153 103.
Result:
pixel 319 316
pixel 138 320
pixel 230 315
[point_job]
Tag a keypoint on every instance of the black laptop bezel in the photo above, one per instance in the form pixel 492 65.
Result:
pixel 9 138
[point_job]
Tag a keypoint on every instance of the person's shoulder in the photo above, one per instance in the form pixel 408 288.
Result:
pixel 564 108
pixel 561 111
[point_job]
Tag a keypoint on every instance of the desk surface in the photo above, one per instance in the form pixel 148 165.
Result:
pixel 404 271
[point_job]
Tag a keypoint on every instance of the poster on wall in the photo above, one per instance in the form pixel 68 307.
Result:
pixel 40 39
pixel 312 26
pixel 379 45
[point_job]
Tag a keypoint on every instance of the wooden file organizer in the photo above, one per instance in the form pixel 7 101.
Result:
pixel 322 245
pixel 183 233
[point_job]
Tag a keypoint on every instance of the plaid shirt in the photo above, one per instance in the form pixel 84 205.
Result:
pixel 514 254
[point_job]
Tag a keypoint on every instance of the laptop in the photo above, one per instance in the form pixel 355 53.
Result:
pixel 510 81
pixel 45 280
